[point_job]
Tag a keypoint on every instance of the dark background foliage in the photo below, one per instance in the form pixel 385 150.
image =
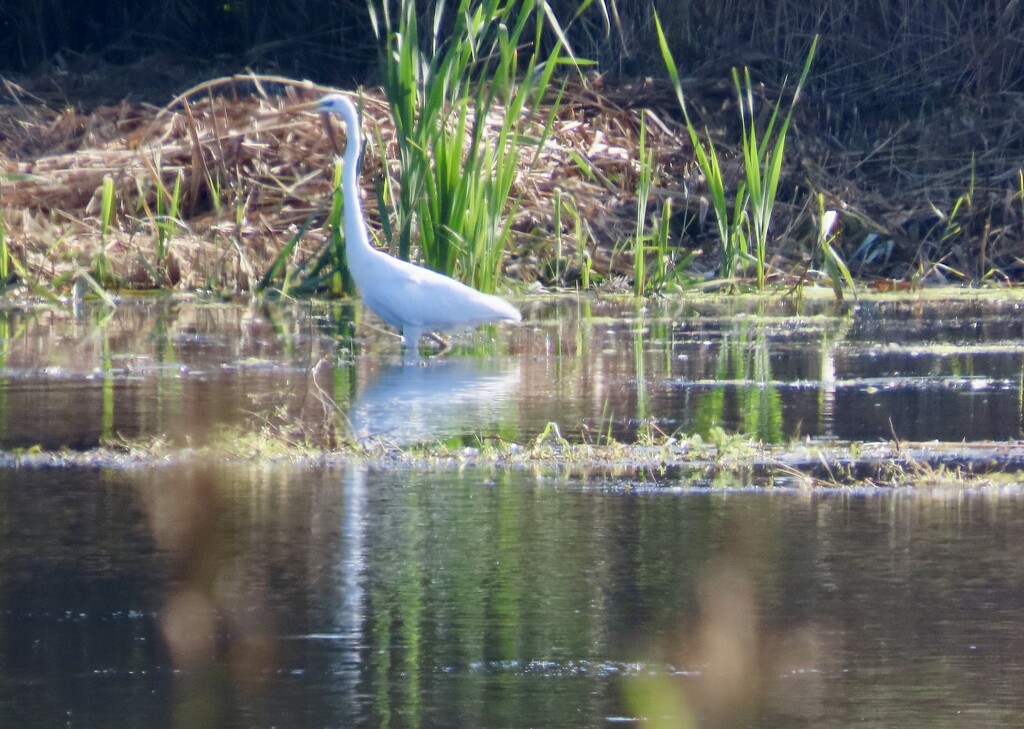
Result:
pixel 320 38
pixel 878 57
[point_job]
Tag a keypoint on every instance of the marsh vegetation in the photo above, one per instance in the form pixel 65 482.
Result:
pixel 578 175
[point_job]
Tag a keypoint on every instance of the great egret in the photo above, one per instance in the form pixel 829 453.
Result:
pixel 410 298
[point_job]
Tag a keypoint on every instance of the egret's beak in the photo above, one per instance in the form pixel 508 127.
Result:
pixel 330 133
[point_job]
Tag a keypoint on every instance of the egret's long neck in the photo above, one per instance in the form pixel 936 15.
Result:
pixel 356 242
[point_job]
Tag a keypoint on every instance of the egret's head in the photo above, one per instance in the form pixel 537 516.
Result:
pixel 342 106
pixel 336 104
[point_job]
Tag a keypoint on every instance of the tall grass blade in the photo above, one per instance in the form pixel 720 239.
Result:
pixel 341 279
pixel 762 153
pixel 106 206
pixel 762 158
pixel 279 267
pixel 642 194
pixel 732 241
pixel 5 254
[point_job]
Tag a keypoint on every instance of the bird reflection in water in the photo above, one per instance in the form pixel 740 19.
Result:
pixel 450 397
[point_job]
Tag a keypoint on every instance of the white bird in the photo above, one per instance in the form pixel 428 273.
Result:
pixel 410 298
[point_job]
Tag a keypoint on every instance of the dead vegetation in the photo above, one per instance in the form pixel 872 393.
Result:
pixel 251 178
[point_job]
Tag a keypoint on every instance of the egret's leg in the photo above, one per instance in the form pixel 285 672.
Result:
pixel 411 341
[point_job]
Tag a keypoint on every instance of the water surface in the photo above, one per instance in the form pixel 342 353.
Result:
pixel 913 370
pixel 206 595
pixel 277 596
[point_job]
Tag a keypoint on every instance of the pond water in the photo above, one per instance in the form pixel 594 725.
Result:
pixel 202 594
pixel 914 370
pixel 273 596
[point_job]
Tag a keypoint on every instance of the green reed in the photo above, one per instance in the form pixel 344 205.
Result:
pixel 101 268
pixel 168 213
pixel 164 217
pixel 5 254
pixel 340 278
pixel 327 271
pixel 754 199
pixel 835 267
pixel 762 158
pixel 567 210
pixel 459 104
pixel 643 191
pixel 106 207
pixel 730 232
pixel 654 266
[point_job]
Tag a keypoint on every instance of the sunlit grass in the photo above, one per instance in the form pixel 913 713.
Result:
pixel 101 269
pixel 719 460
pixel 567 214
pixel 651 238
pixel 643 191
pixel 730 232
pixel 164 217
pixel 762 152
pixel 5 254
pixel 461 105
pixel 762 158
pixel 340 278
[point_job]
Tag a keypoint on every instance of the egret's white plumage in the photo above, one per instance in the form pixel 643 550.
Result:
pixel 410 298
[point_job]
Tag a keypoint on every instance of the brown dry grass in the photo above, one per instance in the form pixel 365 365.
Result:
pixel 249 180
pixel 253 176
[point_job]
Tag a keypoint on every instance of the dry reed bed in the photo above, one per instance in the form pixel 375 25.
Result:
pixel 251 176
pixel 268 170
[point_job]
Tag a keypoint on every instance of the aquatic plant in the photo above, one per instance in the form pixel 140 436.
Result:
pixel 101 268
pixel 580 236
pixel 168 216
pixel 5 254
pixel 950 228
pixel 643 190
pixel 730 233
pixel 753 201
pixel 459 110
pixel 835 267
pixel 106 207
pixel 14 272
pixel 651 244
pixel 334 252
pixel 165 217
pixel 762 158
pixel 327 270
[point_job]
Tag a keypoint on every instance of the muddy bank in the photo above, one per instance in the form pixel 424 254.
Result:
pixel 687 464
